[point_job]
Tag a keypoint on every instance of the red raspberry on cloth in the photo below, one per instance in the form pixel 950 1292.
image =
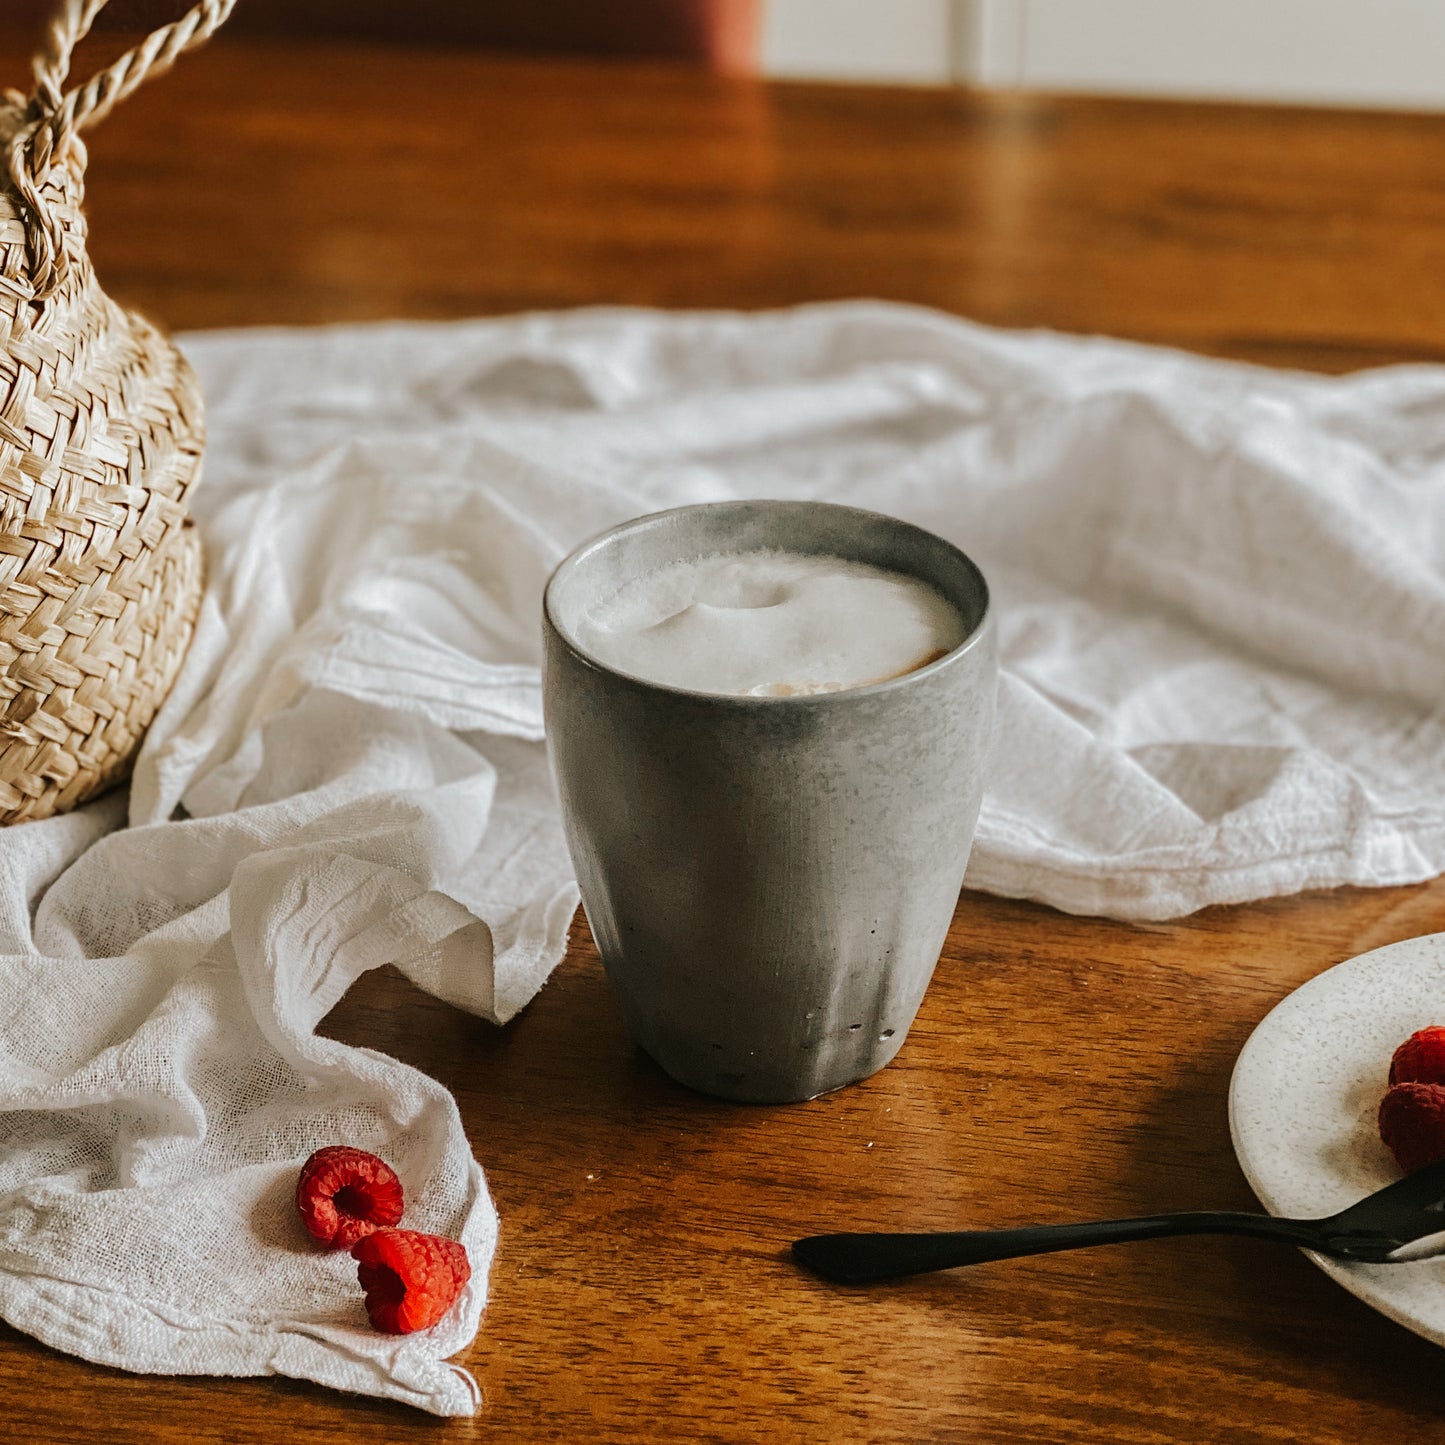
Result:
pixel 1412 1124
pixel 411 1280
pixel 1420 1059
pixel 343 1194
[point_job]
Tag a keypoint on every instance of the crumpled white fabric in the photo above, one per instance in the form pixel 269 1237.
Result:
pixel 1221 598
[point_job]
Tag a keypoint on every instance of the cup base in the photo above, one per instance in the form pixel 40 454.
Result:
pixel 752 1084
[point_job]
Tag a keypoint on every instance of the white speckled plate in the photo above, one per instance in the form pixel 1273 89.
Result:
pixel 1303 1099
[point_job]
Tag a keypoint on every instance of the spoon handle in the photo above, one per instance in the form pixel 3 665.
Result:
pixel 868 1258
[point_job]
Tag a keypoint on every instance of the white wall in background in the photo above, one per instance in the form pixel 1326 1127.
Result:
pixel 1350 52
pixel 1356 52
pixel 885 40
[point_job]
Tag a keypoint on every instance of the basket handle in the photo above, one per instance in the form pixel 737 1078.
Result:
pixel 54 115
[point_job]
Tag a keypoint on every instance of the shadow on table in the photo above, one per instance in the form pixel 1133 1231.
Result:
pixel 1287 1320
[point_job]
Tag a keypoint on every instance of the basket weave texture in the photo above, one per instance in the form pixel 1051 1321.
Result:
pixel 101 435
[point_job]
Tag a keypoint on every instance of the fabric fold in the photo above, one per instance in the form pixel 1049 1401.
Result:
pixel 1221 604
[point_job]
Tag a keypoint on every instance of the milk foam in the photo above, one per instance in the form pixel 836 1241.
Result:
pixel 770 624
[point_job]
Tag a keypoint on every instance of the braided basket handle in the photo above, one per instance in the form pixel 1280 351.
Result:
pixel 54 115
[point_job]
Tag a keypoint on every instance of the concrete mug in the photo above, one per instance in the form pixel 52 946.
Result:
pixel 769 879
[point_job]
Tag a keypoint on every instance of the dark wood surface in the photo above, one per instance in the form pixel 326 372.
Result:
pixel 268 182
pixel 1061 1067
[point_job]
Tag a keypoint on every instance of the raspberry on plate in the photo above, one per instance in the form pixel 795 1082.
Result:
pixel 1420 1059
pixel 343 1194
pixel 1412 1124
pixel 411 1280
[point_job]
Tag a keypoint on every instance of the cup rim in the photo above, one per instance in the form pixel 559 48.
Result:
pixel 580 553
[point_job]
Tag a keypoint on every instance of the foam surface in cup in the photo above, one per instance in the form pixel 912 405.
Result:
pixel 771 624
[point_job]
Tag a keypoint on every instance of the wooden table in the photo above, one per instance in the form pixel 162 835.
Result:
pixel 1061 1067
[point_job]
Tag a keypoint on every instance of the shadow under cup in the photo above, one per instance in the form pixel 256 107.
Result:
pixel 769 879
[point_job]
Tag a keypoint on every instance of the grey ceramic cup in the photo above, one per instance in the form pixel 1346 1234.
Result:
pixel 769 879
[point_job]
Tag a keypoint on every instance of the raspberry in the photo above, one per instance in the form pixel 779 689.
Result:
pixel 1412 1124
pixel 1420 1059
pixel 410 1279
pixel 343 1194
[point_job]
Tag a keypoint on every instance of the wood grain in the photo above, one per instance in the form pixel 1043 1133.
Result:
pixel 1061 1067
pixel 268 182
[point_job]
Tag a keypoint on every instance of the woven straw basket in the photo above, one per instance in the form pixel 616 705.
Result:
pixel 100 440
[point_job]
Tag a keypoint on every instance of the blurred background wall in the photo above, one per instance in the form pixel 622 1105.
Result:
pixel 1351 52
pixel 1359 52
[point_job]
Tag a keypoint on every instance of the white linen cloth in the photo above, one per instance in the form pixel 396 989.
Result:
pixel 1221 595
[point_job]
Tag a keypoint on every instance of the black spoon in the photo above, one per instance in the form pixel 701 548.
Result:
pixel 1392 1226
